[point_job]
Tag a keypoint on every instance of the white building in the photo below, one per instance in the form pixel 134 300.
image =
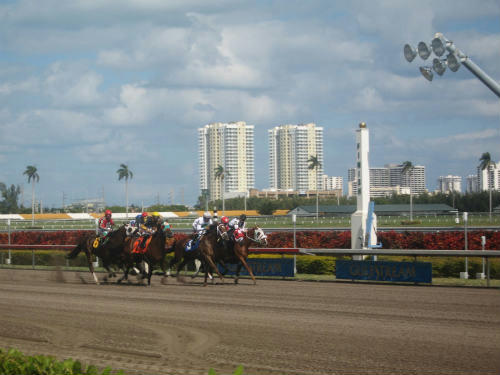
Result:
pixel 448 184
pixel 471 184
pixel 332 183
pixel 230 145
pixel 489 177
pixel 290 147
pixel 389 180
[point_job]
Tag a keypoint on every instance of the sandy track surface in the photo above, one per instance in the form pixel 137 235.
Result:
pixel 275 327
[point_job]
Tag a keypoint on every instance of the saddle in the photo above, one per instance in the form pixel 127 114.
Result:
pixel 136 246
pixel 192 245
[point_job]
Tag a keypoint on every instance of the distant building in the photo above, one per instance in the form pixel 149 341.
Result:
pixel 448 184
pixel 276 194
pixel 230 145
pixel 489 177
pixel 387 181
pixel 472 186
pixel 332 183
pixel 290 147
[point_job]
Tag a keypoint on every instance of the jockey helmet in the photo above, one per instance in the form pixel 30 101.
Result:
pixel 207 216
pixel 243 217
pixel 224 220
pixel 156 214
pixel 107 213
pixel 144 214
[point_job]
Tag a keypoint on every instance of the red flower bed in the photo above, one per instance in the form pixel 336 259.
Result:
pixel 304 239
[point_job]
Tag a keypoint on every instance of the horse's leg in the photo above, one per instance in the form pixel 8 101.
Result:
pixel 179 267
pixel 214 267
pixel 126 270
pixel 197 265
pixel 238 269
pixel 91 265
pixel 249 270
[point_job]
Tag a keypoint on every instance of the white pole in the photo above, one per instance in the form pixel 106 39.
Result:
pixel 294 219
pixel 465 275
pixel 481 275
pixel 9 260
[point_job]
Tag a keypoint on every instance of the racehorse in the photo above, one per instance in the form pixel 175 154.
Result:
pixel 209 243
pixel 106 251
pixel 184 257
pixel 154 254
pixel 238 252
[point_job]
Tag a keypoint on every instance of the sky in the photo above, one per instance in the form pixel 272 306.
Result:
pixel 88 85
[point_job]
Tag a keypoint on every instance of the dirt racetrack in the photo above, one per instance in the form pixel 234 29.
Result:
pixel 275 327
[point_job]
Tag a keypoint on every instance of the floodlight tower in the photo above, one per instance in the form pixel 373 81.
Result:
pixel 360 226
pixel 439 45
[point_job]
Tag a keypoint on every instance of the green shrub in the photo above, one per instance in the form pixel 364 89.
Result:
pixel 13 362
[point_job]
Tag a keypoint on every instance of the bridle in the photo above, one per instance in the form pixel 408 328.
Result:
pixel 261 237
pixel 221 233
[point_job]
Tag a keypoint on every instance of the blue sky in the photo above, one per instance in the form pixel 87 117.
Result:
pixel 87 85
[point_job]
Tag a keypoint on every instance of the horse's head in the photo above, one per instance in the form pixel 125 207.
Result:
pixel 222 231
pixel 259 236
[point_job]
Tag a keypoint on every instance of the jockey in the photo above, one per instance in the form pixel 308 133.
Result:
pixel 199 226
pixel 237 227
pixel 105 224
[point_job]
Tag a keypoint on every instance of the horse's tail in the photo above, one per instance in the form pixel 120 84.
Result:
pixel 77 249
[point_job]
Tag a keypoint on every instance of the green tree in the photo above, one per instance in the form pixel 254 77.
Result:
pixel 33 177
pixel 266 207
pixel 125 173
pixel 314 164
pixel 10 197
pixel 220 174
pixel 408 169
pixel 485 163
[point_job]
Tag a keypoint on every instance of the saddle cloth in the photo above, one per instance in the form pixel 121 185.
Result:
pixel 136 247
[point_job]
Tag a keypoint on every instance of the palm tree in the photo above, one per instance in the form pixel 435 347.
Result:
pixel 124 172
pixel 220 173
pixel 408 169
pixel 485 162
pixel 314 163
pixel 33 177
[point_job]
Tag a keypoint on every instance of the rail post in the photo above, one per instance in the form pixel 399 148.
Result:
pixel 294 219
pixel 9 259
pixel 480 275
pixel 465 275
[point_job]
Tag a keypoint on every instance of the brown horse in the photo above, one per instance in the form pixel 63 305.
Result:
pixel 154 254
pixel 237 253
pixel 210 242
pixel 106 251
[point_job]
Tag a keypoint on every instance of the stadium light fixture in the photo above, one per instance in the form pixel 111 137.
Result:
pixel 423 50
pixel 439 45
pixel 452 62
pixel 409 52
pixel 427 73
pixel 439 66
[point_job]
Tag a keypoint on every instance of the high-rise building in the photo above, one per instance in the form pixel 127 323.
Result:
pixel 332 183
pixel 489 178
pixel 290 147
pixel 448 184
pixel 471 184
pixel 389 180
pixel 230 145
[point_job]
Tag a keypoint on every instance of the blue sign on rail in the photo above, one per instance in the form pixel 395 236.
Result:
pixel 414 272
pixel 265 267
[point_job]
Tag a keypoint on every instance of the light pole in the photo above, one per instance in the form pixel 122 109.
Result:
pixel 439 45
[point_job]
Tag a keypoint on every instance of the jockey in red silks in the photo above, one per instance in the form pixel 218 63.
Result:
pixel 237 227
pixel 106 224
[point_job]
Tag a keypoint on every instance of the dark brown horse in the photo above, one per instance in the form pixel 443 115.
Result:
pixel 237 252
pixel 210 242
pixel 154 254
pixel 107 251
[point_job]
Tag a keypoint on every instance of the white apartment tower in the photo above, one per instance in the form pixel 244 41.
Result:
pixel 471 183
pixel 230 145
pixel 290 147
pixel 489 177
pixel 448 184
